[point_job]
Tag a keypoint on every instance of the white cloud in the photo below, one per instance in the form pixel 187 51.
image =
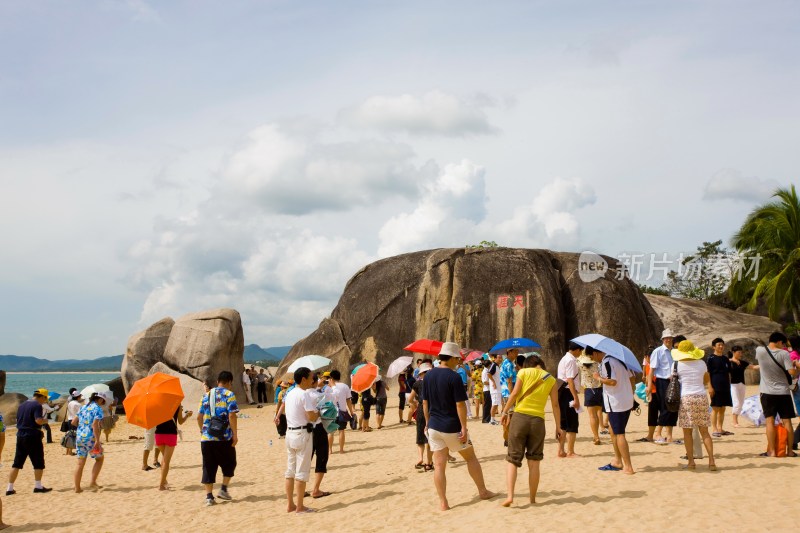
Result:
pixel 434 113
pixel 730 184
pixel 549 220
pixel 448 211
pixel 297 174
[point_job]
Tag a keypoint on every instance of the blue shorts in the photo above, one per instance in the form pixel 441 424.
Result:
pixel 618 421
pixel 86 449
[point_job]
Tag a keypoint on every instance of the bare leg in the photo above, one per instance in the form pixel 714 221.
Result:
pixel 3 525
pixel 770 438
pixel 439 478
pixel 624 453
pixel 594 423
pixel 688 443
pixel 289 486
pixel 511 480
pixel 341 440
pixel 617 462
pixel 709 444
pixel 317 482
pixel 12 476
pixel 98 465
pixel 167 452
pixel 79 473
pixel 476 473
pixel 300 487
pixel 533 478
pixel 790 441
pixel 571 445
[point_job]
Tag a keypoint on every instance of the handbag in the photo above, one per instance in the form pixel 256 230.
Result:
pixel 69 438
pixel 673 396
pixel 792 386
pixel 217 425
pixel 66 424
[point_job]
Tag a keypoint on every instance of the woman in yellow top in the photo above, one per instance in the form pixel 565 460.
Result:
pixel 526 428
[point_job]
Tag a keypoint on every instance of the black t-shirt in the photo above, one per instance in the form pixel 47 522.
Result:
pixel 417 387
pixel 170 427
pixel 443 389
pixel 737 371
pixel 27 413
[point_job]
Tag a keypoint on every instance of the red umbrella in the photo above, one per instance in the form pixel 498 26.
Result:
pixel 473 355
pixel 425 346
pixel 363 377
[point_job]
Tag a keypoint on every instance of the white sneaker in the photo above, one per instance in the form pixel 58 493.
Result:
pixel 210 502
pixel 223 495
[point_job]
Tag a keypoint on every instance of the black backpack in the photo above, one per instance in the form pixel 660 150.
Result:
pixel 217 425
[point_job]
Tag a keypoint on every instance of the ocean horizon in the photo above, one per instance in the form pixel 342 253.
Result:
pixel 60 382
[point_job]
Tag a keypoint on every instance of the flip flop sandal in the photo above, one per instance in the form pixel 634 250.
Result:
pixel 427 468
pixel 419 465
pixel 610 468
pixel 324 493
pixel 643 439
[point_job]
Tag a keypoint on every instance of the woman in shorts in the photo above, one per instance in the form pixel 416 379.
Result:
pixel 87 439
pixel 167 439
pixel 592 391
pixel 526 430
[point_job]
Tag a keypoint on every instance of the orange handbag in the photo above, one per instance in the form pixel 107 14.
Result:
pixel 782 441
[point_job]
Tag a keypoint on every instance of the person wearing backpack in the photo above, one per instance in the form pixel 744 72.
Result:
pixel 216 419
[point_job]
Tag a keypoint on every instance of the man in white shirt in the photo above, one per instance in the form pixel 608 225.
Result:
pixel 301 412
pixel 660 372
pixel 487 395
pixel 344 402
pixel 617 383
pixel 246 385
pixel 569 400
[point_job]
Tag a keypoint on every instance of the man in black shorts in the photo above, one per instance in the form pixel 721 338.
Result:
pixel 30 419
pixel 777 372
pixel 219 452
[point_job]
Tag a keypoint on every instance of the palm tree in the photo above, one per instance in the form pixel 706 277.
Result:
pixel 771 232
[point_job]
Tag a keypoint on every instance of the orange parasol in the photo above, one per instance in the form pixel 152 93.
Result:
pixel 153 400
pixel 364 377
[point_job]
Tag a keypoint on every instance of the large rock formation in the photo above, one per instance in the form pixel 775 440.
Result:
pixel 476 298
pixel 9 403
pixel 193 389
pixel 145 349
pixel 198 345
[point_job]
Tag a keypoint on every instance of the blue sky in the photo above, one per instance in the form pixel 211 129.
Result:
pixel 157 158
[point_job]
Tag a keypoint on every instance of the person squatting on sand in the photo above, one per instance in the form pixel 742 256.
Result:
pixel 526 430
pixel 217 421
pixel 301 414
pixel 617 382
pixel 87 439
pixel 693 413
pixel 29 441
pixel 445 409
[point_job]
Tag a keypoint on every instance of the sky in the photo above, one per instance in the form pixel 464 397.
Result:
pixel 160 158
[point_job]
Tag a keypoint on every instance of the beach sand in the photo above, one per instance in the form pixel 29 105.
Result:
pixel 376 488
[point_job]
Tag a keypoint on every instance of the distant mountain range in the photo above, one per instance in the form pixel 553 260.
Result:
pixel 112 363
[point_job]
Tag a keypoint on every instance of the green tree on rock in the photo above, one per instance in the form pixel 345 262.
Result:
pixel 771 233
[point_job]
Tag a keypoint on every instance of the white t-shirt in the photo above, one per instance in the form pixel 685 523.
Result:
pixel 297 402
pixel 485 378
pixel 618 398
pixel 691 375
pixel 245 378
pixel 568 368
pixel 72 409
pixel 494 383
pixel 341 393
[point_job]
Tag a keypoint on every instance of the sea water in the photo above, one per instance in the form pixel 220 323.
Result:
pixel 60 382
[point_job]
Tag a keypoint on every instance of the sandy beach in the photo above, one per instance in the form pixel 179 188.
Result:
pixel 376 488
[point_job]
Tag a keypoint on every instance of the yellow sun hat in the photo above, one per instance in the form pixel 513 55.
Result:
pixel 686 350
